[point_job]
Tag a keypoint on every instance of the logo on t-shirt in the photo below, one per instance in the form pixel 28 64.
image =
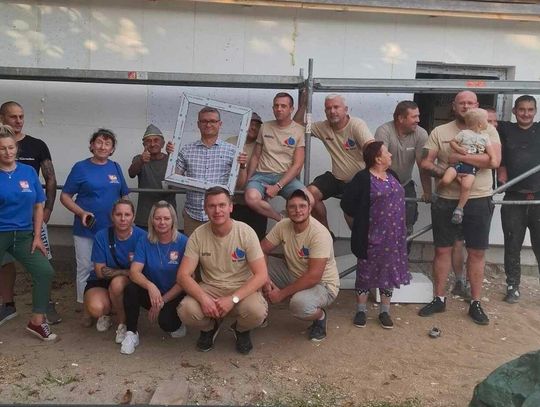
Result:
pixel 349 144
pixel 173 257
pixel 130 256
pixel 303 253
pixel 289 142
pixel 329 138
pixel 113 179
pixel 25 186
pixel 238 255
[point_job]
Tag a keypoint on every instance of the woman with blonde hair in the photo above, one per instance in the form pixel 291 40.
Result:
pixel 153 276
pixel 21 218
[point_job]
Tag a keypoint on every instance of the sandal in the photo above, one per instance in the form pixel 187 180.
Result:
pixel 457 216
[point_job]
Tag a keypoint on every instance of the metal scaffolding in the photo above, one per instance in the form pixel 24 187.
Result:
pixel 310 85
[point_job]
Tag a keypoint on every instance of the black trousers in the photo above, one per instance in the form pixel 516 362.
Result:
pixel 136 297
pixel 515 221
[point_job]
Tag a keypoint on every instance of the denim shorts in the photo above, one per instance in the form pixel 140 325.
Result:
pixel 260 179
pixel 464 168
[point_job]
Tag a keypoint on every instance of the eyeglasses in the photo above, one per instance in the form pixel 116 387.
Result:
pixel 204 122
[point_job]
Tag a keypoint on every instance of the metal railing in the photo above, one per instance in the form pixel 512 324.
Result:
pixel 498 190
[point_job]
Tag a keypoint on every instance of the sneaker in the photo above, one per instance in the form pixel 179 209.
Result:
pixel 360 319
pixel 386 320
pixel 42 331
pixel 512 294
pixel 462 290
pixel 52 316
pixel 120 333
pixel 103 323
pixel 477 313
pixel 206 339
pixel 179 333
pixel 130 342
pixel 243 340
pixel 317 330
pixel 7 312
pixel 437 305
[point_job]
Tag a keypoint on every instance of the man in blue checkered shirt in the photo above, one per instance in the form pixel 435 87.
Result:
pixel 210 159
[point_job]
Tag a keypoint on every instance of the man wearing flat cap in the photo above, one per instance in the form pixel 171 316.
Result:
pixel 150 168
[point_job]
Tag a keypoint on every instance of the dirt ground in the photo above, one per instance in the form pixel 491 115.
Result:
pixel 360 367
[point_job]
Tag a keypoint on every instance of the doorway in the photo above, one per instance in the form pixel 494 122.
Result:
pixel 436 108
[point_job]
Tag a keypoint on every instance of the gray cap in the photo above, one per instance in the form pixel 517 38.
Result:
pixel 152 131
pixel 256 117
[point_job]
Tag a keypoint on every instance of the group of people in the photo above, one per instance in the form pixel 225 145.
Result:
pixel 222 264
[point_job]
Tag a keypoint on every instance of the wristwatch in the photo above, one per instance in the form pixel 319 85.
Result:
pixel 235 299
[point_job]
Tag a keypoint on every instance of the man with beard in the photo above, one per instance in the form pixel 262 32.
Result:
pixel 308 275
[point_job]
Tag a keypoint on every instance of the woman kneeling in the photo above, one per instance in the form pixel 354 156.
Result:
pixel 112 254
pixel 153 276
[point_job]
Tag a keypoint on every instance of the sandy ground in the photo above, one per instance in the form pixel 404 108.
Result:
pixel 403 366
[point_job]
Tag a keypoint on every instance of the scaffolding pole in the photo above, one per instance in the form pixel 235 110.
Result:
pixel 424 86
pixel 152 78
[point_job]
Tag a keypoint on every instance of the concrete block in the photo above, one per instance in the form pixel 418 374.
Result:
pixel 419 291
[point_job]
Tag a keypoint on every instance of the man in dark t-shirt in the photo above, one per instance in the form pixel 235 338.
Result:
pixel 33 152
pixel 520 152
pixel 150 167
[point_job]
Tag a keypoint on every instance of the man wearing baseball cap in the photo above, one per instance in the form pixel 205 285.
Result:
pixel 241 211
pixel 150 168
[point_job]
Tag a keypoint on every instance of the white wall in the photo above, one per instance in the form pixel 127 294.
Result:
pixel 181 36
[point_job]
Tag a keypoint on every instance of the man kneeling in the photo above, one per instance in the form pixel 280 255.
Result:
pixel 308 275
pixel 233 271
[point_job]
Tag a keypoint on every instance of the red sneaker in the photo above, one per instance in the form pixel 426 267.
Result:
pixel 42 331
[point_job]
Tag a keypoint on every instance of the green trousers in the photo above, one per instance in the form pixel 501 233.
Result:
pixel 19 244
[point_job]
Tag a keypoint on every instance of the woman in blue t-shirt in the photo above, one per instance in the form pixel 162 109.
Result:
pixel 112 254
pixel 153 276
pixel 98 183
pixel 21 217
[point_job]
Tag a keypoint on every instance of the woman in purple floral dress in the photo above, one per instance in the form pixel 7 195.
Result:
pixel 374 207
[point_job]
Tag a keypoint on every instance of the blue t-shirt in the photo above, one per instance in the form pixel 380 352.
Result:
pixel 161 261
pixel 97 187
pixel 125 250
pixel 19 192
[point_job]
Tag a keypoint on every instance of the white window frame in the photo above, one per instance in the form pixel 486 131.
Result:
pixel 182 181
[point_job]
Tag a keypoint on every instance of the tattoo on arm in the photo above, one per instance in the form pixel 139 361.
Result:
pixel 47 170
pixel 436 171
pixel 425 153
pixel 109 272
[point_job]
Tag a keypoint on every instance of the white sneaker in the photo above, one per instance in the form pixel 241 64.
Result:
pixel 103 323
pixel 130 342
pixel 179 333
pixel 121 333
